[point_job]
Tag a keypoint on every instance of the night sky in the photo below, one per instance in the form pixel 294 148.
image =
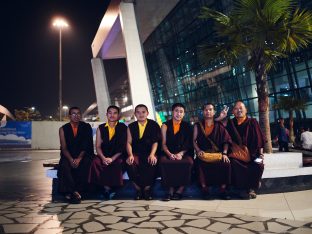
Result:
pixel 29 51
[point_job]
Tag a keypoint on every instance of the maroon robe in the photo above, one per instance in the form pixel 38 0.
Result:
pixel 247 175
pixel 76 179
pixel 110 175
pixel 141 172
pixel 176 173
pixel 216 173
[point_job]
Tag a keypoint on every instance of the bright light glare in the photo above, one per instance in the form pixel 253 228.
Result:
pixel 60 23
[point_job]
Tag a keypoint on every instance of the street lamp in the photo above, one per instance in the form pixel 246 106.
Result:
pixel 65 109
pixel 60 24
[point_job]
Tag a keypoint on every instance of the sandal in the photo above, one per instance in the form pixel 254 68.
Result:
pixel 252 194
pixel 167 197
pixel 76 198
pixel 177 196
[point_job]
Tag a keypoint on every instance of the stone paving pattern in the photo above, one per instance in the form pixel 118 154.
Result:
pixel 35 215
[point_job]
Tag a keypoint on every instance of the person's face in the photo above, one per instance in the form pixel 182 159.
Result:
pixel 281 121
pixel 141 114
pixel 178 113
pixel 209 112
pixel 112 115
pixel 239 110
pixel 75 116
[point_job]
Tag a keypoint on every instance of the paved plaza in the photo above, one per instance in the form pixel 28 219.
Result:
pixel 26 207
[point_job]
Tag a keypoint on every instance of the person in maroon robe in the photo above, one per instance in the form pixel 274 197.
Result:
pixel 176 161
pixel 76 155
pixel 111 139
pixel 246 131
pixel 211 136
pixel 143 138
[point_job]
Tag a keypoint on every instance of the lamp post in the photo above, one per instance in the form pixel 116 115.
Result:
pixel 60 24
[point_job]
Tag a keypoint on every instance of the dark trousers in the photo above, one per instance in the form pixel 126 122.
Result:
pixel 282 145
pixel 73 179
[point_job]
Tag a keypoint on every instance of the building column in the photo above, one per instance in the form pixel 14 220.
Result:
pixel 137 70
pixel 101 89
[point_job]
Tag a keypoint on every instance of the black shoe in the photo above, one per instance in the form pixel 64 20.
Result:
pixel 148 194
pixel 138 195
pixel 109 194
pixel 244 195
pixel 177 196
pixel 252 194
pixel 75 198
pixel 167 197
pixel 206 195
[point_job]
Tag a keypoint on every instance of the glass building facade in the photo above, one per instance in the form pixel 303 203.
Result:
pixel 177 73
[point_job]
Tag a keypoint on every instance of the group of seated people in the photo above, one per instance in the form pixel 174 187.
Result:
pixel 227 153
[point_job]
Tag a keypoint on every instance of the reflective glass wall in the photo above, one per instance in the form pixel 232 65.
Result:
pixel 177 73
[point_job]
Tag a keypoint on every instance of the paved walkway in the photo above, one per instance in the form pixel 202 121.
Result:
pixel 275 213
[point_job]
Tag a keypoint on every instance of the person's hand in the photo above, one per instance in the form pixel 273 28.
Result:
pixel 223 113
pixel 72 163
pixel 152 160
pixel 200 153
pixel 109 161
pixel 179 156
pixel 172 157
pixel 225 158
pixel 76 162
pixel 130 160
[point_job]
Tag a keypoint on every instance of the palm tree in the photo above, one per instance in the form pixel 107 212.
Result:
pixel 263 31
pixel 290 104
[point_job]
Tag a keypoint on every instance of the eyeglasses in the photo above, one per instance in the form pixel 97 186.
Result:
pixel 75 114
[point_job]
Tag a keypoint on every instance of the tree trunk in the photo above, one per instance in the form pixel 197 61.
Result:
pixel 263 101
pixel 291 127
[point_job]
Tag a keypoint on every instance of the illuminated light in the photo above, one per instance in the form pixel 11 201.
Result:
pixel 60 23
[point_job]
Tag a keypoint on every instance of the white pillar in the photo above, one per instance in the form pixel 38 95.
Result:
pixel 137 71
pixel 101 89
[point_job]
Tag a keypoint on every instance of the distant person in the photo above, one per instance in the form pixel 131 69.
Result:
pixel 210 136
pixel 111 139
pixel 246 131
pixel 177 159
pixel 76 156
pixel 143 138
pixel 282 136
pixel 306 139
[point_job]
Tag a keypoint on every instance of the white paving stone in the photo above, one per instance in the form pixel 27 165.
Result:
pixel 213 214
pixel 238 231
pixel 79 206
pixel 96 212
pixel 19 209
pixel 120 226
pixel 187 211
pixel 4 220
pixel 62 216
pixel 200 223
pixel 32 219
pixel 144 213
pixel 69 225
pixel 129 204
pixel 160 208
pixel 114 232
pixel 218 227
pixel 170 231
pixel 150 225
pixel 174 223
pixel 14 215
pixel 142 231
pixel 131 208
pixel 192 230
pixel 93 226
pixel 3 207
pixel 80 215
pixel 49 231
pixel 108 219
pixel 68 232
pixel 163 218
pixel 137 220
pixel 74 210
pixel 292 223
pixel 125 214
pixel 254 226
pixel 275 227
pixel 252 218
pixel 51 224
pixel 302 231
pixel 77 221
pixel 165 212
pixel 108 209
pixel 53 209
pixel 18 228
pixel 192 217
pixel 56 204
pixel 229 220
